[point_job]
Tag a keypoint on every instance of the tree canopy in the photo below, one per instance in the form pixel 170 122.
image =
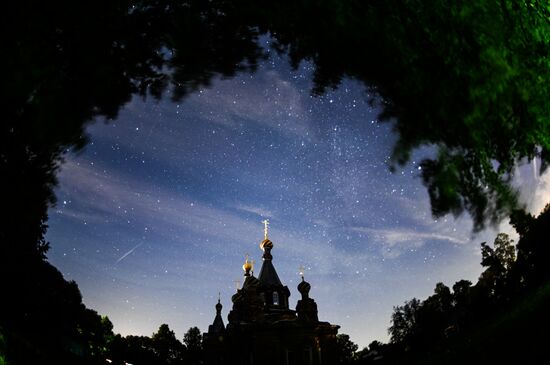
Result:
pixel 470 78
pixel 345 349
pixel 490 320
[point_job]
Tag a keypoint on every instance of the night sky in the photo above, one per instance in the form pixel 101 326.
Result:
pixel 155 216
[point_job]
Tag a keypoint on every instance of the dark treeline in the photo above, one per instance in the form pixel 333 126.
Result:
pixel 501 319
pixel 470 78
pixel 162 348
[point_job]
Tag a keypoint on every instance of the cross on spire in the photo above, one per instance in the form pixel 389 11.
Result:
pixel 266 225
pixel 302 268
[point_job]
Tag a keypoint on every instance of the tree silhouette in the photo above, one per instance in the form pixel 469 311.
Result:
pixel 167 347
pixel 193 346
pixel 404 321
pixel 345 349
pixel 98 336
pixel 491 320
pixel 2 348
pixel 532 269
pixel 462 302
pixel 138 350
pixel 498 263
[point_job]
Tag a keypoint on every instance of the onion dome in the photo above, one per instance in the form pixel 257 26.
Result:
pixel 304 287
pixel 266 245
pixel 217 326
pixel 248 266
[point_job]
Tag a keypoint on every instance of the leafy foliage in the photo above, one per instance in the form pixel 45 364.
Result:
pixel 45 321
pixel 2 348
pixel 193 344
pixel 162 348
pixel 345 349
pixel 466 77
pixel 403 320
pixel 470 78
pixel 166 346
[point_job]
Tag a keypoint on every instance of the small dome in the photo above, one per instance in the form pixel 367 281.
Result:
pixel 248 265
pixel 219 306
pixel 266 244
pixel 304 287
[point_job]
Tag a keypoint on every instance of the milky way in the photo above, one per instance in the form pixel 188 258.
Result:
pixel 155 216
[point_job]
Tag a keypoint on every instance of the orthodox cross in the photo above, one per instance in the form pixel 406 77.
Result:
pixel 266 225
pixel 302 268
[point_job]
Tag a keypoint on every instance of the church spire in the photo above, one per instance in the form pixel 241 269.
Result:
pixel 268 275
pixel 217 326
pixel 306 308
pixel 266 245
pixel 219 306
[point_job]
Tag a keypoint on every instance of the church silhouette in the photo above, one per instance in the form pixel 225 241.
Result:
pixel 263 330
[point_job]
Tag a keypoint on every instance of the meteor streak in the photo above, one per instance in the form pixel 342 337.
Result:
pixel 127 253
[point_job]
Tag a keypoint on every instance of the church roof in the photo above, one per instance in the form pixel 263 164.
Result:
pixel 217 326
pixel 268 274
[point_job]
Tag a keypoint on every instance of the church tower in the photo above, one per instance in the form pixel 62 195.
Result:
pixel 273 293
pixel 217 327
pixel 214 339
pixel 262 329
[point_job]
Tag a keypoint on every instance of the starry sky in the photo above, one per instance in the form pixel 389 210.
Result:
pixel 155 216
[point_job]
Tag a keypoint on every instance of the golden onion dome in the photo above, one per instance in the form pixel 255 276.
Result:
pixel 248 265
pixel 266 244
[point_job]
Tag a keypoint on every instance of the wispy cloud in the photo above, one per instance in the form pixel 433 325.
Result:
pixel 392 237
pixel 260 211
pixel 280 106
pixel 396 241
pixel 100 193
